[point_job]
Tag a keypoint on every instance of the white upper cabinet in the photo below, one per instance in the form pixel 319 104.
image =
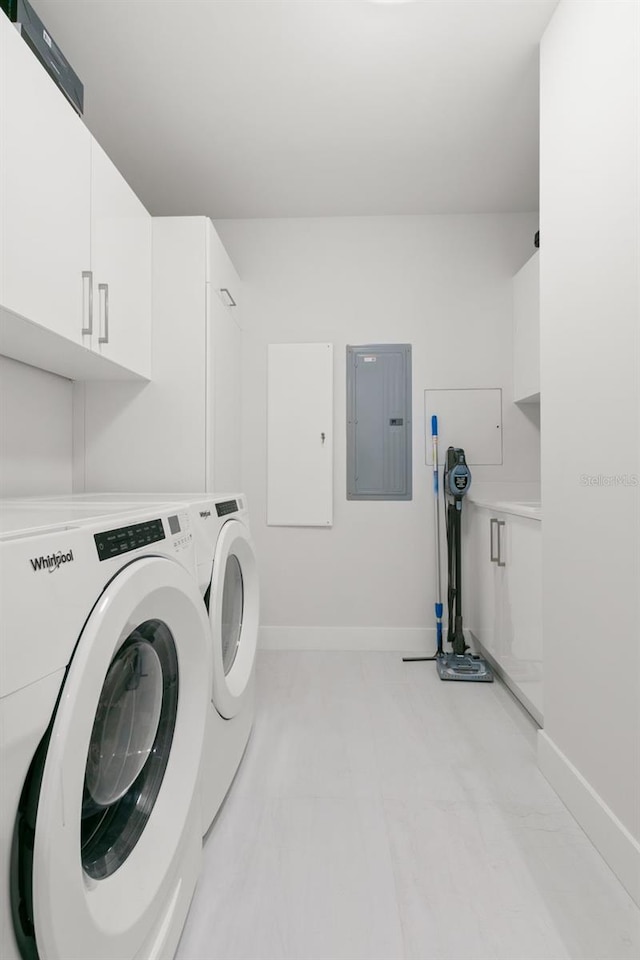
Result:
pixel 526 332
pixel 121 266
pixel 45 156
pixel 75 242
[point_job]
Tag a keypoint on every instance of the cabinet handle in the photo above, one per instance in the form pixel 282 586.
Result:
pixel 495 559
pixel 501 562
pixel 104 288
pixel 87 305
pixel 230 301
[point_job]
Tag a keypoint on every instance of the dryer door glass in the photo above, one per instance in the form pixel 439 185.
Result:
pixel 129 747
pixel 232 609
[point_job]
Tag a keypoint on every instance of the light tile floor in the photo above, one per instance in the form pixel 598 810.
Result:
pixel 381 813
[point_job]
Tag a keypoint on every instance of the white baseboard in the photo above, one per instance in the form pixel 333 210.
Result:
pixel 419 640
pixel 610 837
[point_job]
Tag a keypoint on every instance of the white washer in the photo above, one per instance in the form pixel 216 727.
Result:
pixel 228 580
pixel 103 704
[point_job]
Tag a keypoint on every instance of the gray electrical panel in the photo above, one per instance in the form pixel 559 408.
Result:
pixel 379 422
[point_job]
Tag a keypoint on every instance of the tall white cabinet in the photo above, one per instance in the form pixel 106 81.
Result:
pixel 526 332
pixel 181 431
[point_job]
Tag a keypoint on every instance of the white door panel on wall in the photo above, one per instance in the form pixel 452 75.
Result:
pixel 471 419
pixel 299 434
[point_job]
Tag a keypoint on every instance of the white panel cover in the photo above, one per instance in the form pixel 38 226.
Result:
pixel 471 419
pixel 300 434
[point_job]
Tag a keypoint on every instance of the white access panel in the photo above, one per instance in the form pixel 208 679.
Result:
pixel 300 434
pixel 471 419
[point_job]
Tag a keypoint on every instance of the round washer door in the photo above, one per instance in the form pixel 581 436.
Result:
pixel 234 614
pixel 121 768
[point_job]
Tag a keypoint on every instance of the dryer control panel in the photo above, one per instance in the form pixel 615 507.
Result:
pixel 225 507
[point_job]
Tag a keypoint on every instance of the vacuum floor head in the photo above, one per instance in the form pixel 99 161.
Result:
pixel 453 666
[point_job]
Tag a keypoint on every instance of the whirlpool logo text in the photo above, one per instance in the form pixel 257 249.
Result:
pixel 53 562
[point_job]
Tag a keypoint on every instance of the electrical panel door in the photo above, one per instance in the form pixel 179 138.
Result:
pixel 379 422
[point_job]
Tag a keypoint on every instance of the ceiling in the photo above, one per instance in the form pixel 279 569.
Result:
pixel 289 108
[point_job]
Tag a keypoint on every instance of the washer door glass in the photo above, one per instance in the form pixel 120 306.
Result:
pixel 232 610
pixel 129 747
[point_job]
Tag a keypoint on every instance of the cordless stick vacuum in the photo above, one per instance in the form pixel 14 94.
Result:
pixel 459 664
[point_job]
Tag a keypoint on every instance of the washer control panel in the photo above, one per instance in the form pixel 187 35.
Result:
pixel 113 543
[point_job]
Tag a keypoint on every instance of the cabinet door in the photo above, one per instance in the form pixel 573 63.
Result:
pixel 480 583
pixel 224 395
pixel 519 644
pixel 221 273
pixel 45 156
pixel 121 264
pixel 526 331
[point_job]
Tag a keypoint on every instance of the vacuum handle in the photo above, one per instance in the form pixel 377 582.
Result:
pixel 496 558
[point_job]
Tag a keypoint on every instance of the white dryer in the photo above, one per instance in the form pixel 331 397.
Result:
pixel 228 580
pixel 103 704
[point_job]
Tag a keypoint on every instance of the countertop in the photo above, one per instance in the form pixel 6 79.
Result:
pixel 519 499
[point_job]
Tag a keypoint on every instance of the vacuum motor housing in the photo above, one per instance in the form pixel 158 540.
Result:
pixel 457 476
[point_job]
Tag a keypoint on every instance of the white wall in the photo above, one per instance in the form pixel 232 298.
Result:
pixel 441 283
pixel 35 431
pixel 590 319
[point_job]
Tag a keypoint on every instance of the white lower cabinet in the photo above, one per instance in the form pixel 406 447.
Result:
pixel 181 431
pixel 502 597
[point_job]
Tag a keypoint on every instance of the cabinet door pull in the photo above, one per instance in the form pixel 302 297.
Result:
pixel 500 561
pixel 230 301
pixel 494 559
pixel 87 304
pixel 104 288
